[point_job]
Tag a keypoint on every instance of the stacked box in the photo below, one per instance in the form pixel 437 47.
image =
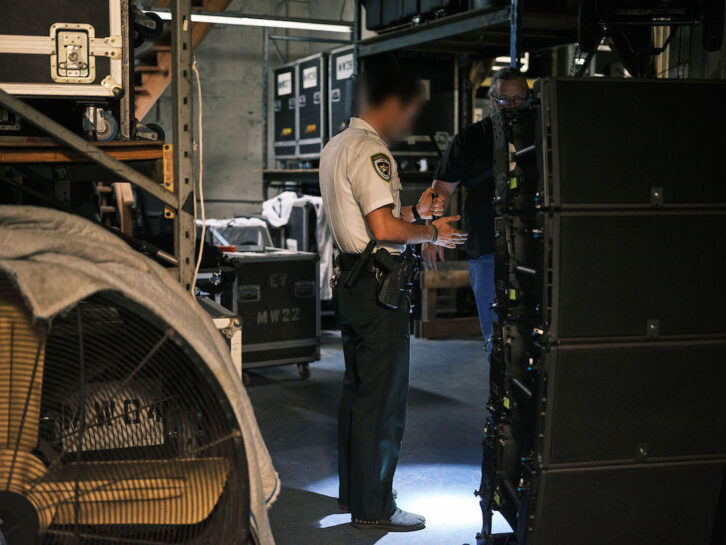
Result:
pixel 285 112
pixel 312 90
pixel 341 90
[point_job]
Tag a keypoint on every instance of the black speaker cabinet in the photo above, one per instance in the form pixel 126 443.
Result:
pixel 609 356
pixel 625 274
pixel 660 504
pixel 633 402
pixel 633 143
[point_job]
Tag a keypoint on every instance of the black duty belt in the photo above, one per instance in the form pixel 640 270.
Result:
pixel 347 261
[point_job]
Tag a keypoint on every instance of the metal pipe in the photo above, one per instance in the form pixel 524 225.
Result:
pixel 651 23
pixel 127 79
pixel 305 39
pixel 87 149
pixel 265 95
pixel 515 33
pixel 524 152
pixel 275 21
pixel 522 387
pixel 357 18
pixel 280 56
pixel 526 270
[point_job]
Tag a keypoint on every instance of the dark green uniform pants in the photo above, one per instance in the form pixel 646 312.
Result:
pixel 375 391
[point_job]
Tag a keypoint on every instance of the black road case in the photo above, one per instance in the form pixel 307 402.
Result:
pixel 311 78
pixel 341 91
pixel 302 228
pixel 285 112
pixel 278 300
pixel 63 55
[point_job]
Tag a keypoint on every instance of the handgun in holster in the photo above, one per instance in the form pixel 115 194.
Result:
pixel 398 278
pixel 359 266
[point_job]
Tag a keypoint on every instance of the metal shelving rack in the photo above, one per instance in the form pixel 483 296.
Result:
pixel 176 190
pixel 490 31
pixel 485 32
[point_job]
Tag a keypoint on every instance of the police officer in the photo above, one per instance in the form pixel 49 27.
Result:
pixel 360 187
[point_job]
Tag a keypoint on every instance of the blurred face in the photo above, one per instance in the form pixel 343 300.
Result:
pixel 399 117
pixel 509 93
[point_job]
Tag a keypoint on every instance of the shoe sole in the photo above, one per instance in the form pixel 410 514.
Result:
pixel 389 527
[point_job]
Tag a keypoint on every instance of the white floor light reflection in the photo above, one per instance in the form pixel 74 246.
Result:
pixel 442 493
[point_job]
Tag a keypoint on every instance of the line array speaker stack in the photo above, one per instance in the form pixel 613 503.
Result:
pixel 608 374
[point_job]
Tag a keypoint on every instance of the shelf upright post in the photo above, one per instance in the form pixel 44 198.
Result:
pixel 127 71
pixel 515 33
pixel 184 227
pixel 265 99
pixel 357 33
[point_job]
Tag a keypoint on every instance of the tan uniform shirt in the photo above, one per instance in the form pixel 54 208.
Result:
pixel 358 175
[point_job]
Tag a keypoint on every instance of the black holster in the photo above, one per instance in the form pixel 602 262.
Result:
pixel 398 276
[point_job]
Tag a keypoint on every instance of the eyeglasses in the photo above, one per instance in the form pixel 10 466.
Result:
pixel 505 100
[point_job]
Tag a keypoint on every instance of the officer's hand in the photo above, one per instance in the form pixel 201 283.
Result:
pixel 449 237
pixel 431 254
pixel 429 207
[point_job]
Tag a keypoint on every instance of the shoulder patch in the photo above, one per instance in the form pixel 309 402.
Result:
pixel 382 166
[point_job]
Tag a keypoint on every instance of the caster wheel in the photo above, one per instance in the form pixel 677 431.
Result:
pixel 159 130
pixel 153 26
pixel 304 370
pixel 106 128
pixel 139 39
pixel 246 379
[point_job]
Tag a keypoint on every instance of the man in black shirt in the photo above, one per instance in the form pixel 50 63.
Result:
pixel 468 161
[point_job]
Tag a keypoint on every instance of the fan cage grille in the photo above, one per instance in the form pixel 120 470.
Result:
pixel 137 440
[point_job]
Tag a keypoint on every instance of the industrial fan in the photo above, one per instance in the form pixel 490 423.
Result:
pixel 112 430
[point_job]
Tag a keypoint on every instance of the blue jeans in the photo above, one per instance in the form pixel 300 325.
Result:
pixel 481 276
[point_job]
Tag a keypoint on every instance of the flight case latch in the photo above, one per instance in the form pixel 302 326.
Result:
pixel 71 60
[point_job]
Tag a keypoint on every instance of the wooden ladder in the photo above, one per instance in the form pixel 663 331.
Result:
pixel 153 68
pixel 124 202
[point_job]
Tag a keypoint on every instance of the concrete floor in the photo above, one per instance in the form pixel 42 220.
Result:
pixel 441 458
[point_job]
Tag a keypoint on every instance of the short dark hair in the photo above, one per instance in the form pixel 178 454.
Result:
pixel 507 73
pixel 384 77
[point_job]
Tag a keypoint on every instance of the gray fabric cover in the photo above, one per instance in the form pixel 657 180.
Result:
pixel 57 259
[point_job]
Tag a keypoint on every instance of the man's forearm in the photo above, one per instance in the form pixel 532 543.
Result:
pixel 386 228
pixel 404 232
pixel 444 190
